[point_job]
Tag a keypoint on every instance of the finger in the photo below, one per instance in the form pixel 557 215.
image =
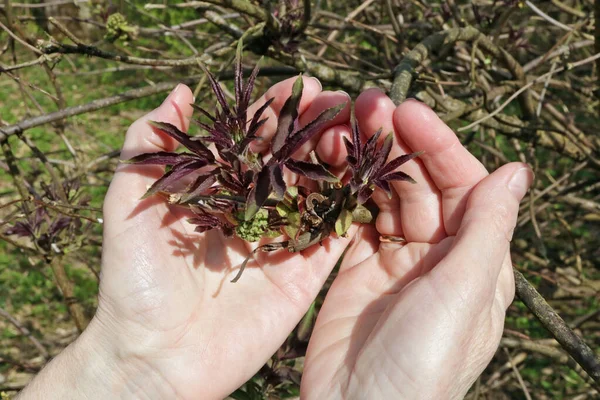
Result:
pixel 320 103
pixel 142 138
pixel 482 241
pixel 420 203
pixel 364 244
pixel 280 93
pixel 452 168
pixel 331 149
pixel 131 181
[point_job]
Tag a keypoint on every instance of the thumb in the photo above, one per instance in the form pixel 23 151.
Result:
pixel 484 236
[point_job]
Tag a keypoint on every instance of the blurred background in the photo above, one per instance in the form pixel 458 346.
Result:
pixel 517 80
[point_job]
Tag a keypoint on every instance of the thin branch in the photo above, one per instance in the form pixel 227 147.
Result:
pixel 25 332
pixel 524 88
pixel 45 4
pixel 404 72
pixel 63 48
pixel 573 344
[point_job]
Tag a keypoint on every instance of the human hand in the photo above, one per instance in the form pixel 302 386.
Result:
pixel 169 324
pixel 420 320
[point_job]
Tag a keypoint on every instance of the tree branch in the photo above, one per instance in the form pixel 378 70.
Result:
pixel 573 344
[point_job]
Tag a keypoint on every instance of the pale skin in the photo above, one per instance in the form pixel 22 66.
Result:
pixel 414 321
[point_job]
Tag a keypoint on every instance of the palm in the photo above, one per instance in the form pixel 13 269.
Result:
pixel 165 290
pixel 411 321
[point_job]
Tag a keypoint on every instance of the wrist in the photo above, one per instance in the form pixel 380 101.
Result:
pixel 95 367
pixel 87 368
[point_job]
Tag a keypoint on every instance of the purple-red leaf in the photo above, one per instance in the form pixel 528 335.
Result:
pixel 166 182
pixel 398 161
pixel 287 116
pixel 20 229
pixel 312 171
pixel 250 85
pixel 350 150
pixel 382 155
pixel 229 183
pixel 397 176
pixel 356 141
pixel 203 112
pixel 294 142
pixel 196 146
pixel 202 183
pixel 259 193
pixel 160 158
pixel 58 225
pixel 219 93
pixel 364 194
pixel 385 186
pixel 239 74
pixel 277 181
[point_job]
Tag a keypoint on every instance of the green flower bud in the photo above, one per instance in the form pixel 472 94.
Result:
pixel 254 229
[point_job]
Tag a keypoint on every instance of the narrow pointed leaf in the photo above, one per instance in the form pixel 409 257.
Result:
pixel 219 93
pixel 398 161
pixel 364 194
pixel 160 158
pixel 20 229
pixel 166 182
pixel 349 147
pixel 202 183
pixel 251 135
pixel 287 116
pixel 260 111
pixel 312 171
pixel 195 146
pixel 371 144
pixel 384 152
pixel 238 79
pixel 202 111
pixel 385 186
pixel 259 193
pixel 250 84
pixel 305 134
pixel 231 184
pixel 397 176
pixel 356 141
pixel 277 181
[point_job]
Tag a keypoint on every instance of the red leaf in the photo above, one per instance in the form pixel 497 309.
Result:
pixel 287 116
pixel 312 171
pixel 195 146
pixel 166 182
pixel 259 193
pixel 160 158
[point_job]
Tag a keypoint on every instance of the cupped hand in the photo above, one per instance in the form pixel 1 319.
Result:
pixel 180 329
pixel 420 320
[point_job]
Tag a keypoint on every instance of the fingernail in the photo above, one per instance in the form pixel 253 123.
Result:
pixel 173 91
pixel 346 93
pixel 520 181
pixel 318 81
pixel 176 88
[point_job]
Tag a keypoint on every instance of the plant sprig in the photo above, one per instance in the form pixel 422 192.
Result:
pixel 241 194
